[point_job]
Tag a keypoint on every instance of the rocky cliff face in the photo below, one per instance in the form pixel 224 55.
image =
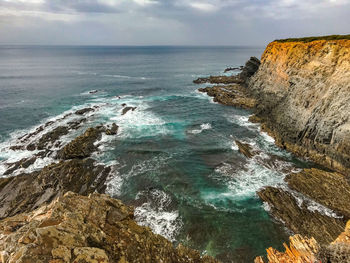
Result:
pixel 303 92
pixel 94 228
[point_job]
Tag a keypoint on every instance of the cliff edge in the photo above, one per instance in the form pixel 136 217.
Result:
pixel 303 93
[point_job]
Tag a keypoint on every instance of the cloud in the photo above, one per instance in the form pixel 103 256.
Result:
pixel 169 21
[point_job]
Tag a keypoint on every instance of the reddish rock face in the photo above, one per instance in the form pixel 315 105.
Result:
pixel 303 92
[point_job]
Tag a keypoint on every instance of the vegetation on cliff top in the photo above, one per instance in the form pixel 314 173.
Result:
pixel 310 39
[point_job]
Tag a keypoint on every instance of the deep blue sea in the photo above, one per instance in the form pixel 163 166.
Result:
pixel 175 157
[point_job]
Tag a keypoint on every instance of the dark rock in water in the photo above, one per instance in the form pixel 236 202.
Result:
pixel 126 109
pixel 124 104
pixel 82 146
pixel 76 124
pixel 93 91
pixel 83 111
pixel 251 66
pixel 245 149
pixel 26 192
pixel 300 219
pixel 23 163
pixel 231 69
pixel 328 188
pixel 31 147
pixel 233 95
pixel 219 80
pixel 113 130
pixel 51 137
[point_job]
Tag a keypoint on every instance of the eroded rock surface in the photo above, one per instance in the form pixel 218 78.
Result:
pixel 26 192
pixel 76 228
pixel 298 218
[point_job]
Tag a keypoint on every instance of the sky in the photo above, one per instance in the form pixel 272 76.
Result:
pixel 168 22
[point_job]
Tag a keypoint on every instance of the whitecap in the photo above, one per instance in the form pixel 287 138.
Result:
pixel 203 127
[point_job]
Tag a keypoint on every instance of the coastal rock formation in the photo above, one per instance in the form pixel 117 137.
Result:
pixel 303 92
pixel 307 250
pixel 330 189
pixel 26 192
pixel 299 218
pixel 245 149
pixel 233 95
pixel 82 146
pixel 219 80
pixel 76 228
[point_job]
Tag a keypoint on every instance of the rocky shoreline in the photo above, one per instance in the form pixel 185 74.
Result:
pixel 60 214
pixel 299 95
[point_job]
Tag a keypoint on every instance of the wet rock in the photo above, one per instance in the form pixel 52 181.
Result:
pixel 124 104
pixel 245 149
pixel 26 192
pixel 233 95
pixel 219 80
pixel 328 188
pixel 233 68
pixel 300 219
pixel 126 109
pixel 23 163
pixel 51 137
pixel 83 145
pixel 77 228
pixel 93 91
pixel 112 130
pixel 83 111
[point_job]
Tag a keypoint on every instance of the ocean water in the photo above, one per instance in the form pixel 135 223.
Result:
pixel 175 157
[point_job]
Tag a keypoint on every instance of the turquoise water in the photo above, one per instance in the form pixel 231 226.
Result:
pixel 175 158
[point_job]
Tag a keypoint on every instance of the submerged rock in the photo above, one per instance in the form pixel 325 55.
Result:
pixel 26 192
pixel 96 228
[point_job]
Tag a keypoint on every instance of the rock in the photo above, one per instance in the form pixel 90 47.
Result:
pixel 51 137
pixel 124 104
pixel 26 192
pixel 245 149
pixel 74 228
pixel 251 66
pixel 93 91
pixel 82 146
pixel 232 68
pixel 303 95
pixel 323 187
pixel 233 95
pixel 219 80
pixel 300 219
pixel 83 111
pixel 126 109
pixel 23 163
pixel 113 130
pixel 306 250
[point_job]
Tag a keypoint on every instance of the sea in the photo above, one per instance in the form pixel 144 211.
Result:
pixel 175 158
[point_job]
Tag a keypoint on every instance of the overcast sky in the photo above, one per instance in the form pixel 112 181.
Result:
pixel 168 22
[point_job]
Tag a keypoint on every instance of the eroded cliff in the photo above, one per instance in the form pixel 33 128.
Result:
pixel 303 92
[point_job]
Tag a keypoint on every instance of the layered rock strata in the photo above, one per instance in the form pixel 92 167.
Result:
pixel 303 92
pixel 94 228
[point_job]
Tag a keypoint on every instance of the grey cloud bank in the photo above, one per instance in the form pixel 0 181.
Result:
pixel 166 22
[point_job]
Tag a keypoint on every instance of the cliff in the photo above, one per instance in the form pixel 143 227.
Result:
pixel 90 229
pixel 303 92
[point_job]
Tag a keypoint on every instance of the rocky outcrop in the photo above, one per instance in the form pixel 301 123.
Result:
pixel 307 250
pixel 297 216
pixel 26 192
pixel 126 109
pixel 76 228
pixel 83 145
pixel 233 95
pixel 328 188
pixel 245 149
pixel 303 92
pixel 219 80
